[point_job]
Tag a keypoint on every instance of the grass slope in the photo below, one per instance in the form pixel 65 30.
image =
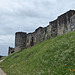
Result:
pixel 55 56
pixel 1 57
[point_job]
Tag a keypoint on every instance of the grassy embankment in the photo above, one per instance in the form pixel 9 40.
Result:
pixel 55 56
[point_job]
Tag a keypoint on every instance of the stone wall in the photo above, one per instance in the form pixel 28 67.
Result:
pixel 72 23
pixel 63 24
pixel 57 27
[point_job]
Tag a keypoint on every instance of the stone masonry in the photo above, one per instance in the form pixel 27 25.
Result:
pixel 72 23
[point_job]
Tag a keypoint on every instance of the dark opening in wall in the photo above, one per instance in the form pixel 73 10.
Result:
pixel 12 52
pixel 32 41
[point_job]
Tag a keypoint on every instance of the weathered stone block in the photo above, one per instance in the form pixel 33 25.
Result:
pixel 73 22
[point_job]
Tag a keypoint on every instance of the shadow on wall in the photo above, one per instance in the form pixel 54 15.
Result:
pixel 32 41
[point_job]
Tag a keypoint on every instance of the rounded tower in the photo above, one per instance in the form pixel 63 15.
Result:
pixel 20 40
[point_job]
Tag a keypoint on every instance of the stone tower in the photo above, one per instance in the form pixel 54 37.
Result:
pixel 20 40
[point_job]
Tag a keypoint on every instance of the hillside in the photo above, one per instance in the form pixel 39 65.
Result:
pixel 55 56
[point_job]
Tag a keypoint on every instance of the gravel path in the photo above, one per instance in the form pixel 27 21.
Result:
pixel 1 71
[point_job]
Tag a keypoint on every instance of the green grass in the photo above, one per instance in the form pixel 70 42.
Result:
pixel 55 56
pixel 2 57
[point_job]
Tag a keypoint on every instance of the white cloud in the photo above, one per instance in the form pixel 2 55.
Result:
pixel 27 15
pixel 6 39
pixel 5 42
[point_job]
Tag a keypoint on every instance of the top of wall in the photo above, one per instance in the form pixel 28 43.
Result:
pixel 58 18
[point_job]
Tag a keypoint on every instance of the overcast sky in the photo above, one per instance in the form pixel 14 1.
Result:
pixel 27 15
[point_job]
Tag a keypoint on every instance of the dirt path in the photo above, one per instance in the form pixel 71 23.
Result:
pixel 1 60
pixel 1 71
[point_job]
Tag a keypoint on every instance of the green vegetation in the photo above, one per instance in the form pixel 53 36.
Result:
pixel 0 57
pixel 55 56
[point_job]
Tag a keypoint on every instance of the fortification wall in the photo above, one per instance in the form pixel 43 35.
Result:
pixel 63 24
pixel 57 27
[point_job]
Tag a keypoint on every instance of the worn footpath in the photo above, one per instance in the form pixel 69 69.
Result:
pixel 1 71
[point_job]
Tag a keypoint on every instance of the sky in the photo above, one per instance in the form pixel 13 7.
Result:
pixel 26 16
